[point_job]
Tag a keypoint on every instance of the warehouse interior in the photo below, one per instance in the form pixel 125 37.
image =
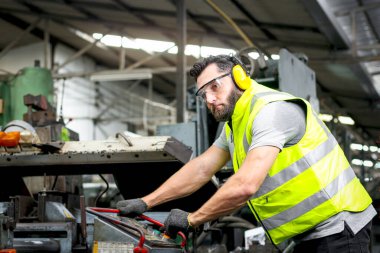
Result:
pixel 101 93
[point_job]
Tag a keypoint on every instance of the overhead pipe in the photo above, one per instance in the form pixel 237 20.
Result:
pixel 232 23
pixel 237 29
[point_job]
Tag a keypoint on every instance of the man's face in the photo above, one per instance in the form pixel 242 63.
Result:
pixel 219 93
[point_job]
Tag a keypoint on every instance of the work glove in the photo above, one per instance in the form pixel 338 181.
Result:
pixel 176 221
pixel 131 207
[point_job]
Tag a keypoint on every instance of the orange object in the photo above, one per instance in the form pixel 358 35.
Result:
pixel 7 251
pixel 10 139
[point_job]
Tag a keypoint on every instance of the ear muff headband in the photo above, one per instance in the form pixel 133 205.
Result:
pixel 239 75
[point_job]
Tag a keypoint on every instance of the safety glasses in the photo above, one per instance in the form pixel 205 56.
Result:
pixel 211 87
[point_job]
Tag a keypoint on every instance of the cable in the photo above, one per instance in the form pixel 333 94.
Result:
pixel 95 211
pixel 232 23
pixel 105 190
pixel 155 222
pixel 231 219
pixel 151 220
pixel 226 221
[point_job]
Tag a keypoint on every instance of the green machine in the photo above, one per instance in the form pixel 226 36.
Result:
pixel 30 80
pixel 28 96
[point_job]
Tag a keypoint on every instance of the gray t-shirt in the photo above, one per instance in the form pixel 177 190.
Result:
pixel 279 124
pixel 282 124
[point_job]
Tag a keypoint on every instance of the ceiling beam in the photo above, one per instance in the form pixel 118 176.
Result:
pixel 348 11
pixel 166 13
pixel 321 14
pixel 191 32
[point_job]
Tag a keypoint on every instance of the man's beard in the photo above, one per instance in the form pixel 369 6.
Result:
pixel 226 112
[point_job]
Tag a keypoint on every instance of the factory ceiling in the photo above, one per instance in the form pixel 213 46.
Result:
pixel 340 38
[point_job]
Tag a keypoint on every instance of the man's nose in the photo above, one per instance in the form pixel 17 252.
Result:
pixel 210 97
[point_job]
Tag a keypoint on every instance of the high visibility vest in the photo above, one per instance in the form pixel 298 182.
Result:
pixel 308 183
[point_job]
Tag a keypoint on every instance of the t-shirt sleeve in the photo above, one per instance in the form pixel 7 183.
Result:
pixel 279 124
pixel 221 141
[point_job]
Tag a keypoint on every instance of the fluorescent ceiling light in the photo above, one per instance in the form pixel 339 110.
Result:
pixel 368 163
pixel 346 120
pixel 275 57
pixel 357 162
pixel 325 117
pixel 355 146
pixel 120 75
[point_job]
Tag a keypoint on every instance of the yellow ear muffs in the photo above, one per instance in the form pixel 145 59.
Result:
pixel 240 77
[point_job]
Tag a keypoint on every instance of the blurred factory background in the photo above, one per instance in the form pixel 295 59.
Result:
pixel 96 83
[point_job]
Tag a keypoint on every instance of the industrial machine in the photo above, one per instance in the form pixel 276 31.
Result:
pixel 53 218
pixel 112 232
pixel 57 221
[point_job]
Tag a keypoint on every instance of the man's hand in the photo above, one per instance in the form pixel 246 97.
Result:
pixel 131 207
pixel 176 221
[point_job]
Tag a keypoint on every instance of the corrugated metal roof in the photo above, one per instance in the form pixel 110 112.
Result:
pixel 321 29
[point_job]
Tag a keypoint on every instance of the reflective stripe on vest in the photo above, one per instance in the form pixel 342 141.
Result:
pixel 298 167
pixel 311 202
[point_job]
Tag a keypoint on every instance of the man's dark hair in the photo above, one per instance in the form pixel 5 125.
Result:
pixel 222 61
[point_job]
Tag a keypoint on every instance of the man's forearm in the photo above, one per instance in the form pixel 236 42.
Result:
pixel 239 188
pixel 228 198
pixel 184 182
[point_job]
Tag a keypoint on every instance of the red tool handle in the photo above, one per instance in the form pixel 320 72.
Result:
pixel 105 210
pixel 153 221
